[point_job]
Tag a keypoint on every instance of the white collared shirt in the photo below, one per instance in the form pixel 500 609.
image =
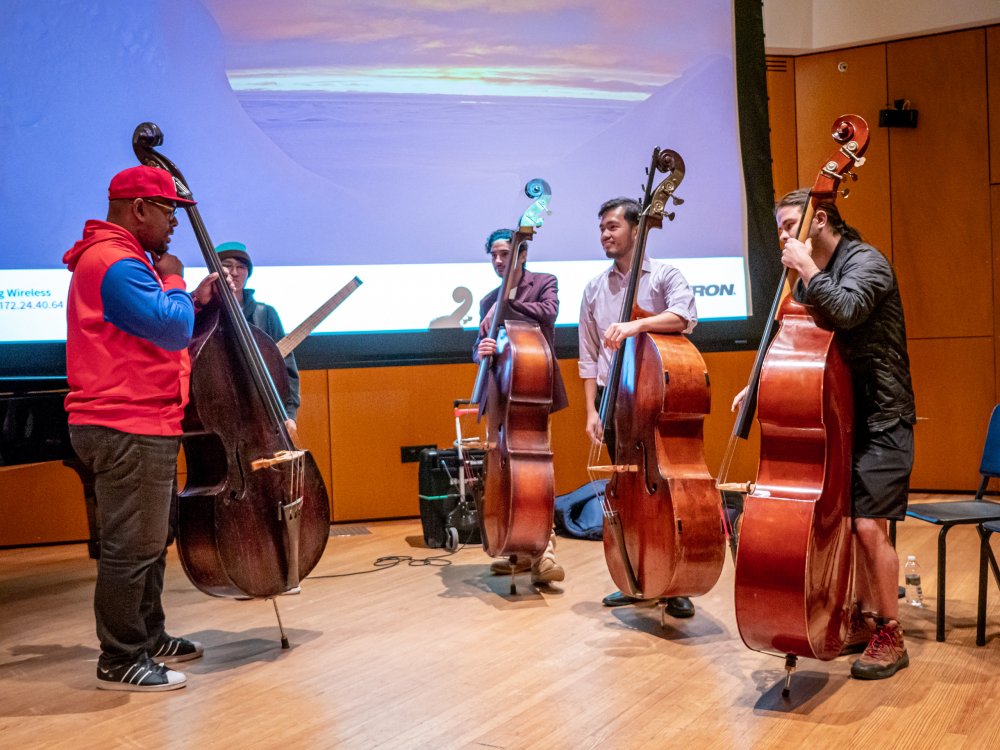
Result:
pixel 662 288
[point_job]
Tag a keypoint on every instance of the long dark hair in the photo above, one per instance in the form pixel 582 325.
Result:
pixel 800 197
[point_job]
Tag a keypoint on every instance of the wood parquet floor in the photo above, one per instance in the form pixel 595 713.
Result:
pixel 442 656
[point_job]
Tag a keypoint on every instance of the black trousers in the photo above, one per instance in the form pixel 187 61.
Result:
pixel 135 487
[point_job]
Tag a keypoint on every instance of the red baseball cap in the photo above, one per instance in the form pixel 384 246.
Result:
pixel 145 182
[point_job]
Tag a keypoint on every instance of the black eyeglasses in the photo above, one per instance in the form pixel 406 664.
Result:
pixel 169 208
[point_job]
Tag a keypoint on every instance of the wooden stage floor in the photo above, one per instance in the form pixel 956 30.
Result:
pixel 441 656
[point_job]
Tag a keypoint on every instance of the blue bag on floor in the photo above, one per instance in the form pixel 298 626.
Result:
pixel 578 514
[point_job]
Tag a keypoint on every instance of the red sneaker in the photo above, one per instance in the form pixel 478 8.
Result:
pixel 885 655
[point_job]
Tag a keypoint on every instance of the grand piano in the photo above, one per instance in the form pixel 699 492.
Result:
pixel 33 428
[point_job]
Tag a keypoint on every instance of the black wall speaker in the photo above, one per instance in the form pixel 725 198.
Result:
pixel 897 118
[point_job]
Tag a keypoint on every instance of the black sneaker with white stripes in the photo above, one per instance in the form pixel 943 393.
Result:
pixel 171 650
pixel 144 676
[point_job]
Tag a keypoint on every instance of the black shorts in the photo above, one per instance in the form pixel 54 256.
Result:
pixel 880 480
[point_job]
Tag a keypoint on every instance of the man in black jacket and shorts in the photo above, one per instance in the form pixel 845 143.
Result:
pixel 851 286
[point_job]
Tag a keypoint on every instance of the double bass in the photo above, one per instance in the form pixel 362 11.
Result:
pixel 254 517
pixel 514 390
pixel 662 532
pixel 794 560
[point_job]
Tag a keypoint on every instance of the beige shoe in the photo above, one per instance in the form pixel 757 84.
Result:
pixel 545 569
pixel 502 566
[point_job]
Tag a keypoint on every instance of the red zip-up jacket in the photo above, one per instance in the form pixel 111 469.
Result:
pixel 127 334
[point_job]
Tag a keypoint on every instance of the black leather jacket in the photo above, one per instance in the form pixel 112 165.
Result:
pixel 858 295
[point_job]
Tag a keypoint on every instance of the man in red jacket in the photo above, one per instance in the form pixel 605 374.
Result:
pixel 129 321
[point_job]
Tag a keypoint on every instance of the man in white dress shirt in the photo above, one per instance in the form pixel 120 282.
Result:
pixel 663 291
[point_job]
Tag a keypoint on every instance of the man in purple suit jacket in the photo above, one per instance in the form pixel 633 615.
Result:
pixel 535 299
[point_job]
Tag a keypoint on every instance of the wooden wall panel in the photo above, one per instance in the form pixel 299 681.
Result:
pixel 354 422
pixel 995 211
pixel 940 201
pixel 41 503
pixel 729 372
pixel 314 419
pixel 993 81
pixel 569 440
pixel 823 93
pixel 374 412
pixel 953 383
pixel 781 120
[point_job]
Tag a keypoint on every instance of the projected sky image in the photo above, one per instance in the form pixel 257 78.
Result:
pixel 564 48
pixel 382 139
pixel 473 97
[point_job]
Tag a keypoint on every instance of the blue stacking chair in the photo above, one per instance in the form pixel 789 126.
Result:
pixel 977 511
pixel 986 557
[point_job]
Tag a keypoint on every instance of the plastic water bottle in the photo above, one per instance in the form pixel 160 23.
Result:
pixel 911 574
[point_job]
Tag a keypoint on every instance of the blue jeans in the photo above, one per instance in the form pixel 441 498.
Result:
pixel 135 487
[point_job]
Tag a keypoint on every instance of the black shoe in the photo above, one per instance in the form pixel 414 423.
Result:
pixel 171 650
pixel 144 676
pixel 679 607
pixel 618 599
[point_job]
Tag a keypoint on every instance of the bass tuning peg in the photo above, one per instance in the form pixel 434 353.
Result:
pixel 845 193
pixel 670 216
pixel 677 201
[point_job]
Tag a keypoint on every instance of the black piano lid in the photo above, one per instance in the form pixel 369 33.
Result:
pixel 33 424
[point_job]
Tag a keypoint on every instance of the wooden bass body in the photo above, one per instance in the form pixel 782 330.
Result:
pixel 517 504
pixel 668 507
pixel 230 536
pixel 795 558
